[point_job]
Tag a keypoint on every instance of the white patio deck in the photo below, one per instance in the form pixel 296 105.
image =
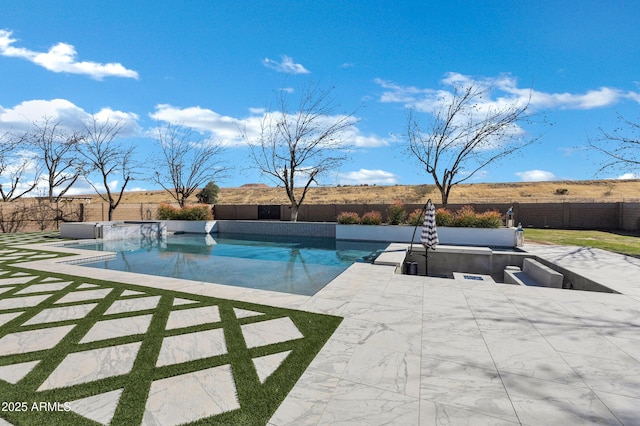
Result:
pixel 430 351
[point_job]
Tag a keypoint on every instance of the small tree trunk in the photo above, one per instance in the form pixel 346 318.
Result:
pixel 294 212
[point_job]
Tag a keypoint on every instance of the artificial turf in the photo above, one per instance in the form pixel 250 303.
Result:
pixel 258 401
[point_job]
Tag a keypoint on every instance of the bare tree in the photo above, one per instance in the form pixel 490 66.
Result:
pixel 187 162
pixel 19 174
pixel 621 147
pixel 466 135
pixel 298 147
pixel 59 155
pixel 106 157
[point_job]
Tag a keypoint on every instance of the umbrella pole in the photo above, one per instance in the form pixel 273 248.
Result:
pixel 424 211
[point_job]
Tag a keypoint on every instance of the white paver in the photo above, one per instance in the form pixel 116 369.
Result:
pixel 133 305
pixel 99 408
pixel 194 316
pixel 190 397
pixel 81 296
pixel 119 327
pixel 63 313
pixel 13 373
pixel 32 340
pixel 266 365
pixel 88 366
pixel 269 332
pixel 192 346
pixel 36 288
pixel 246 313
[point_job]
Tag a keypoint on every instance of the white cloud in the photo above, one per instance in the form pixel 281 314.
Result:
pixel 535 176
pixel 370 177
pixel 286 65
pixel 70 116
pixel 62 58
pixel 228 130
pixel 505 91
pixel 627 176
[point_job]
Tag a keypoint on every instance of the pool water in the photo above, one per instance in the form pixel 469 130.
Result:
pixel 298 265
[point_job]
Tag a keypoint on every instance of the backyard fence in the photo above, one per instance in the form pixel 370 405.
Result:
pixel 34 215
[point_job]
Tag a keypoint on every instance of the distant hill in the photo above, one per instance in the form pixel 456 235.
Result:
pixel 591 190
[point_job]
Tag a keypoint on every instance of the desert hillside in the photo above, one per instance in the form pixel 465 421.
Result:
pixel 593 190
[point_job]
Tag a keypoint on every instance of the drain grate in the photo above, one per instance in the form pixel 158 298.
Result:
pixel 473 277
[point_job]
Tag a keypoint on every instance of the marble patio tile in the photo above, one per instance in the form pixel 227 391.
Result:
pixel 381 313
pixel 587 342
pixel 623 407
pixel 333 358
pixel 36 288
pixel 396 336
pixel 132 305
pixel 530 357
pixel 617 377
pixel 246 313
pixel 22 302
pixel 400 300
pixel 325 305
pixel 5 289
pixel 358 404
pixel 99 408
pixel 350 330
pixel 120 327
pixel 544 402
pixel 307 400
pixel 269 332
pixel 80 296
pixel 630 346
pixel 367 297
pixel 190 397
pixel 88 366
pixel 448 325
pixel 514 326
pixel 460 349
pixel 465 386
pixel 266 365
pixel 16 280
pixel 191 346
pixel 3 422
pixel 5 318
pixel 397 372
pixel 33 340
pixel 436 414
pixel 63 313
pixel 13 373
pixel 194 316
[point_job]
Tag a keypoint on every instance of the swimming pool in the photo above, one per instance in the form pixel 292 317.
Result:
pixel 298 265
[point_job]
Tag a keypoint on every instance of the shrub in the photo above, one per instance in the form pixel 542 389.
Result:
pixel 348 218
pixel 166 211
pixel 562 191
pixel 416 217
pixel 490 219
pixel 196 212
pixel 371 218
pixel 397 213
pixel 444 217
pixel 466 217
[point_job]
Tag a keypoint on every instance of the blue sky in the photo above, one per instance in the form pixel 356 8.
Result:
pixel 215 66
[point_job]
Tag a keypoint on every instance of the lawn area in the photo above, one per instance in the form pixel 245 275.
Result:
pixel 616 242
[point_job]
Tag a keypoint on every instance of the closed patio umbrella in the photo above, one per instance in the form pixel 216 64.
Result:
pixel 429 234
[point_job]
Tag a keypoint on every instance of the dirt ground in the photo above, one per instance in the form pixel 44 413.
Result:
pixel 557 191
